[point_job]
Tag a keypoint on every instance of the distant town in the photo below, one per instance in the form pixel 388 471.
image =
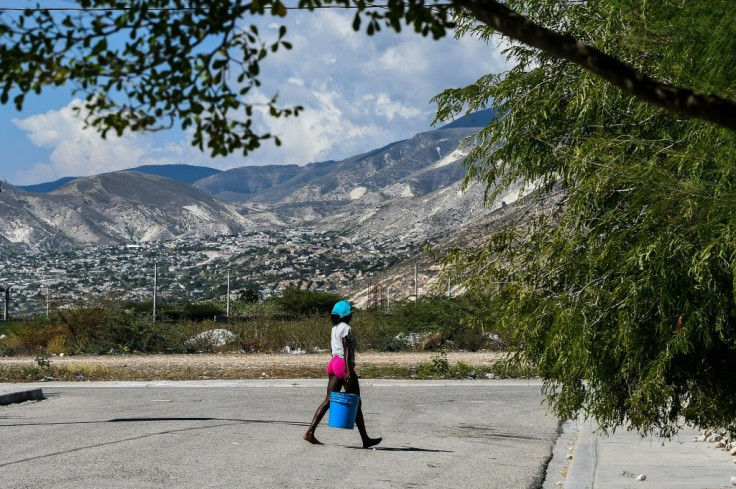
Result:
pixel 193 269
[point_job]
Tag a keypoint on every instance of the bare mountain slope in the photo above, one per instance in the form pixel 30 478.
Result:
pixel 121 207
pixel 514 207
pixel 404 168
pixel 408 190
pixel 405 192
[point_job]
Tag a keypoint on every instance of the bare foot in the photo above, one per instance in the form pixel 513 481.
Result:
pixel 371 441
pixel 309 436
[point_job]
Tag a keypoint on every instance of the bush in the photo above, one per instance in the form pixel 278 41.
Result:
pixel 268 326
pixel 202 311
pixel 302 302
pixel 439 322
pixel 30 337
pixel 81 322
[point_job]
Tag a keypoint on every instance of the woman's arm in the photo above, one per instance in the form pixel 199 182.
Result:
pixel 347 347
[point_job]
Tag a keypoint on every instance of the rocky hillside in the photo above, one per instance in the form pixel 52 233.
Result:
pixel 514 207
pixel 122 207
pixel 408 168
pixel 406 192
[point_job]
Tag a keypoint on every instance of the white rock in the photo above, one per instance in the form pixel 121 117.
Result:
pixel 733 480
pixel 214 337
pixel 701 438
pixel 490 376
pixel 641 477
pixel 733 451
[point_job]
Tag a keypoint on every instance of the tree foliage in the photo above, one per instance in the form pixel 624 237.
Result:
pixel 145 65
pixel 622 291
pixel 624 294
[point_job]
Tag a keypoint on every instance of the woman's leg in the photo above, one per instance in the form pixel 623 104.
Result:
pixel 353 387
pixel 333 385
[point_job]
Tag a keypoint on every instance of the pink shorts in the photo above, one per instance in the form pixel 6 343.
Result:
pixel 336 367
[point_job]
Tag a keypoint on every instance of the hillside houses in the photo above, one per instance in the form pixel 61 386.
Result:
pixel 192 269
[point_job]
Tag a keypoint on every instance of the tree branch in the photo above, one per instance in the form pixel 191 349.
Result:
pixel 674 99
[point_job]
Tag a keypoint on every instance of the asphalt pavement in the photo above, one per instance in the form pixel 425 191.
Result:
pixel 436 434
pixel 464 434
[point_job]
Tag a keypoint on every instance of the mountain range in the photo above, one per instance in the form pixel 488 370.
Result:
pixel 406 190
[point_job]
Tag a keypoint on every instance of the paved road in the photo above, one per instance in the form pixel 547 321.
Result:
pixel 466 434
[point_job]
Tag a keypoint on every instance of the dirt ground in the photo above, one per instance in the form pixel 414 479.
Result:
pixel 239 361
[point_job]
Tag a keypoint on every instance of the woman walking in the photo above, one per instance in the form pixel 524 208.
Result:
pixel 341 372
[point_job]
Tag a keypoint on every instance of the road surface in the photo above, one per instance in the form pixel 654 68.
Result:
pixel 437 434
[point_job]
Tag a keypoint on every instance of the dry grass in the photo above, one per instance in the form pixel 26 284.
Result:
pixel 229 366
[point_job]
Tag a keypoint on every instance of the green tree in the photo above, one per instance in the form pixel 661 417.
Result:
pixel 152 64
pixel 624 295
pixel 249 295
pixel 618 277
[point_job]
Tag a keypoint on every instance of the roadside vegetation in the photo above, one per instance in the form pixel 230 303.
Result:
pixel 428 366
pixel 297 321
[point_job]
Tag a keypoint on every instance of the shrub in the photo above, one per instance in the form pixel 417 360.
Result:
pixel 302 302
pixel 441 322
pixel 202 311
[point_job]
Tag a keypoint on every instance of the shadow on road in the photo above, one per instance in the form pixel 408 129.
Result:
pixel 405 449
pixel 144 420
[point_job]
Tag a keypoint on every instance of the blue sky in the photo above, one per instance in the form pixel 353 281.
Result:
pixel 359 93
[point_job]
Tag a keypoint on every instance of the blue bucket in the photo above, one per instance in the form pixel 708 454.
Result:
pixel 343 408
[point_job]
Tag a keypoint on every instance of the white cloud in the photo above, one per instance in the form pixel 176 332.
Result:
pixel 76 150
pixel 390 109
pixel 359 92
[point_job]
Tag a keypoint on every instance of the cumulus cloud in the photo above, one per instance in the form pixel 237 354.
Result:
pixel 359 92
pixel 76 150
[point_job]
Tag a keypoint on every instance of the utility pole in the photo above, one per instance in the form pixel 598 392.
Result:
pixel 416 284
pixel 448 288
pixel 227 309
pixel 388 298
pixel 6 295
pixel 155 278
pixel 47 300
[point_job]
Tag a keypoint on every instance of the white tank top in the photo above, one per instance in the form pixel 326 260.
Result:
pixel 338 333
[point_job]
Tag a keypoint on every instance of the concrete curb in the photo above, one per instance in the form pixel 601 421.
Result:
pixel 559 464
pixel 12 396
pixel 582 471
